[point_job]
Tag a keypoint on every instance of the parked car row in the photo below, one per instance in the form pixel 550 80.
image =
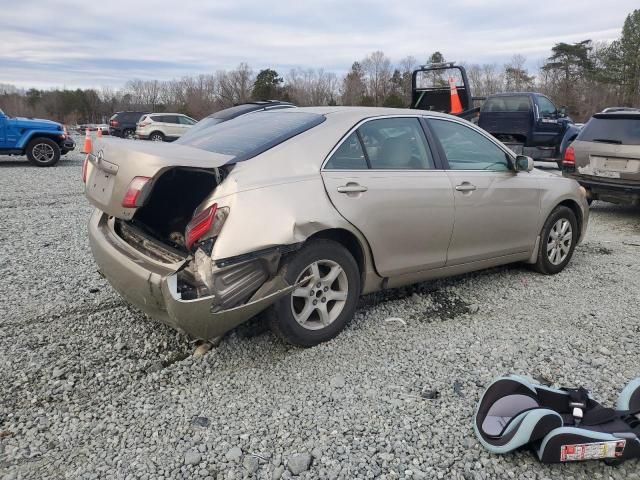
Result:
pixel 161 127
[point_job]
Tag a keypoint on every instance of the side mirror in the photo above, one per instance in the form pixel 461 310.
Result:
pixel 562 112
pixel 523 163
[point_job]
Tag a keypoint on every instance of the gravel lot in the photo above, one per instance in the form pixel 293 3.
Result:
pixel 90 388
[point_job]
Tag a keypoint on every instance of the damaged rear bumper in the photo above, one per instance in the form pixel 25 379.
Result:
pixel 154 286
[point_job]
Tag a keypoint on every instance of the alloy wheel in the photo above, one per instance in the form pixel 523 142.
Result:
pixel 43 152
pixel 559 241
pixel 318 302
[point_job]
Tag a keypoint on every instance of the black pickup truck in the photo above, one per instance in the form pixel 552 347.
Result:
pixel 528 123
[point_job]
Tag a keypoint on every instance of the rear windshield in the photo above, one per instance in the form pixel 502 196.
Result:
pixel 616 130
pixel 246 136
pixel 517 103
pixel 437 79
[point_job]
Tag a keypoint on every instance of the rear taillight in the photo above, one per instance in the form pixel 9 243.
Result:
pixel 113 123
pixel 208 222
pixel 133 198
pixel 569 157
pixel 85 166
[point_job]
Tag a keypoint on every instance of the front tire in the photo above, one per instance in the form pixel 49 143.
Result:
pixel 558 240
pixel 128 133
pixel 43 152
pixel 319 309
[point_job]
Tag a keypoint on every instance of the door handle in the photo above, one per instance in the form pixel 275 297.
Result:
pixel 465 187
pixel 352 188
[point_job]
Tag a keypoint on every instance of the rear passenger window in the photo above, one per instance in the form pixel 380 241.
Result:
pixel 515 103
pixel 396 144
pixel 348 156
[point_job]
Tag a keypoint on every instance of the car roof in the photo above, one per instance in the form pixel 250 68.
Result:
pixel 365 112
pixel 516 94
pixel 618 114
pixel 620 109
pixel 237 110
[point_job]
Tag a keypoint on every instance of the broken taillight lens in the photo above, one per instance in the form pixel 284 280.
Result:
pixel 569 156
pixel 132 198
pixel 208 222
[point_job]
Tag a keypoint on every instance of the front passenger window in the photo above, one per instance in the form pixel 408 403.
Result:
pixel 467 149
pixel 547 109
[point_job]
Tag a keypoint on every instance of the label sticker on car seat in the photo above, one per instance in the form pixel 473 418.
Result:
pixel 592 451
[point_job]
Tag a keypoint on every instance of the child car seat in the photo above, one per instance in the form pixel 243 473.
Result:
pixel 562 425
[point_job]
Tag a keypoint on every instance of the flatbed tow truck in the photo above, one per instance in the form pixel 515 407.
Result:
pixel 528 123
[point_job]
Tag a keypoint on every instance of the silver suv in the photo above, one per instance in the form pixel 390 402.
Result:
pixel 161 127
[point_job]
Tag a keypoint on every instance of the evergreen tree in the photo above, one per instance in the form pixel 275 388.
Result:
pixel 267 85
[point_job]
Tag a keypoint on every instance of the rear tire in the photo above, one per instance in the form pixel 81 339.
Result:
pixel 318 310
pixel 557 241
pixel 43 152
pixel 128 133
pixel 156 137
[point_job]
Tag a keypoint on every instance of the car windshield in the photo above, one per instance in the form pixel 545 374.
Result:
pixel 616 130
pixel 246 136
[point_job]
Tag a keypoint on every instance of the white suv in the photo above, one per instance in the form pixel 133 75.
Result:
pixel 160 127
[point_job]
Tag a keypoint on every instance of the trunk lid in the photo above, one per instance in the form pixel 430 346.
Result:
pixel 116 162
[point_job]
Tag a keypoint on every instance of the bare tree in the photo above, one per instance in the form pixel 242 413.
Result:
pixel 406 66
pixel 311 87
pixel 377 73
pixel 516 76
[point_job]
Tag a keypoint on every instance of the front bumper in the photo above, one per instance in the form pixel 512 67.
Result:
pixel 152 286
pixel 68 144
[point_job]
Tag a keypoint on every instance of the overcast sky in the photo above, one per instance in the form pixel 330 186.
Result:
pixel 93 43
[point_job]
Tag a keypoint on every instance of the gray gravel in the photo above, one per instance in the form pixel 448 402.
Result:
pixel 90 388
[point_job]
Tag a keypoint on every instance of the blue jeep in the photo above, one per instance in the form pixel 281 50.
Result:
pixel 42 141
